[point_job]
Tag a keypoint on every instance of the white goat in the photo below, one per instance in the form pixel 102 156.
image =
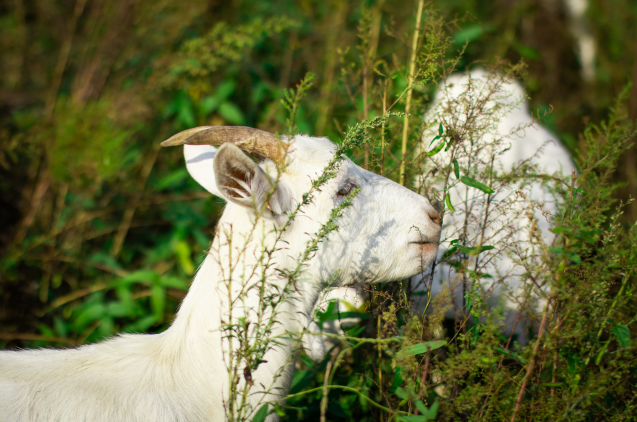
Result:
pixel 182 374
pixel 507 129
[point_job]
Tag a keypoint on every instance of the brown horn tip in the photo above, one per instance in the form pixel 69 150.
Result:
pixel 182 137
pixel 250 140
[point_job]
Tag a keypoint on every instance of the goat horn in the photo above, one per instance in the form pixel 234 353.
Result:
pixel 252 141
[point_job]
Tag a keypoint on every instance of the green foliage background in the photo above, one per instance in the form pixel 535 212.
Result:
pixel 101 231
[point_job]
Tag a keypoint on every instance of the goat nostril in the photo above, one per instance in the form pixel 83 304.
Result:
pixel 435 217
pixel 437 206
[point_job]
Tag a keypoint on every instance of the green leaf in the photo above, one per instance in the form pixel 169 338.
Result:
pixel 433 411
pixel 600 354
pixel 174 282
pixel 471 182
pixel 397 382
pixel 61 327
pixel 213 102
pixel 440 129
pixel 426 414
pixel 449 252
pixel 576 258
pixel 528 52
pixel 354 331
pixel 182 249
pixel 47 331
pixel 434 140
pixel 348 314
pixel 304 378
pixel 418 418
pixel 476 250
pixel 106 327
pixel 401 393
pixel 231 113
pixel 335 409
pixel 145 276
pixel 511 354
pixel 421 406
pixel 171 179
pixel 477 275
pixel 119 310
pixel 448 202
pixel 328 315
pixel 185 110
pixel 208 105
pixel 420 348
pixel 89 315
pixel 141 325
pixel 225 90
pixel 470 33
pixel 456 169
pixel 348 306
pixel 158 302
pixel 436 150
pixel 332 312
pixel 623 335
pixel 107 260
pixel 126 297
pixel 429 414
pixel 261 414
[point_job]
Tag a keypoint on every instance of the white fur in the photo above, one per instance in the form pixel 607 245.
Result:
pixel 182 374
pixel 525 143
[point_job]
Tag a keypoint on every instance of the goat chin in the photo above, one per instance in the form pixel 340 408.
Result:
pixel 186 372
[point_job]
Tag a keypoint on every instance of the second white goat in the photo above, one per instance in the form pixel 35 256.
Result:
pixel 496 135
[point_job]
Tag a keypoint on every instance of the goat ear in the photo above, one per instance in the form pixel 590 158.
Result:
pixel 199 159
pixel 242 181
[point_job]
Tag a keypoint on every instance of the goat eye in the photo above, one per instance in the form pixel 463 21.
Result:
pixel 345 190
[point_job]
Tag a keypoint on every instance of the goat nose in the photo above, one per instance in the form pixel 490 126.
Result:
pixel 437 206
pixel 434 216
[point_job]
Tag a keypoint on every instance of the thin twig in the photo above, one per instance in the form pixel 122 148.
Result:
pixel 118 242
pixel 556 355
pixel 76 295
pixel 531 366
pixel 337 20
pixel 412 78
pixel 423 379
pixel 325 391
pixel 62 59
pixel 34 205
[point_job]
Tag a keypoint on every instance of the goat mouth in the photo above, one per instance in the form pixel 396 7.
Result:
pixel 422 242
